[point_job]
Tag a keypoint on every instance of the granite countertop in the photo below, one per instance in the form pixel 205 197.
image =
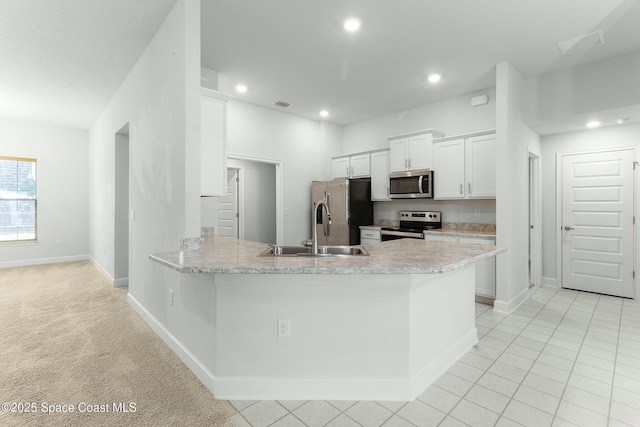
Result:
pixel 489 235
pixel 370 227
pixel 406 256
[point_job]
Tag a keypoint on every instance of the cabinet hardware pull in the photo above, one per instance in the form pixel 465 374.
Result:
pixel 469 188
pixel 460 188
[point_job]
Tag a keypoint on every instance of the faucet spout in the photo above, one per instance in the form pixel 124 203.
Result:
pixel 318 205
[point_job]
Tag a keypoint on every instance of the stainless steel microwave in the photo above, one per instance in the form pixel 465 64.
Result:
pixel 411 185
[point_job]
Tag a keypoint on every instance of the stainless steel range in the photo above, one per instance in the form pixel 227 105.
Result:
pixel 412 224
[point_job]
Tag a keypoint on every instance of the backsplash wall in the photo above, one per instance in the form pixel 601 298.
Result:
pixel 469 211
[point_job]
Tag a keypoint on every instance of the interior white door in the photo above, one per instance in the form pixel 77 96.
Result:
pixel 228 207
pixel 597 222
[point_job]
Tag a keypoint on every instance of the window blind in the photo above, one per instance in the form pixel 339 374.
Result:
pixel 18 199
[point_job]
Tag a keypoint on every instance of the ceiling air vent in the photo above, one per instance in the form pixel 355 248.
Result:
pixel 282 104
pixel 581 43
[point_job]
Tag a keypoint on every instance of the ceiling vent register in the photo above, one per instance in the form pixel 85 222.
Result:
pixel 581 43
pixel 282 104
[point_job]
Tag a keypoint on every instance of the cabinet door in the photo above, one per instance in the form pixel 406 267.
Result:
pixel 398 155
pixel 481 167
pixel 369 236
pixel 448 167
pixel 360 166
pixel 380 176
pixel 420 149
pixel 341 167
pixel 213 156
pixel 485 269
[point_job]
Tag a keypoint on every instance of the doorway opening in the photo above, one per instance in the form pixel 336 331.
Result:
pixel 256 212
pixel 534 201
pixel 121 209
pixel 259 198
pixel 228 212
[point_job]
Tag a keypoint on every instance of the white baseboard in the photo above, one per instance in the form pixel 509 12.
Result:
pixel 446 360
pixel 40 261
pixel 550 281
pixel 386 389
pixel 205 376
pixel 508 306
pixel 121 283
pixel 104 272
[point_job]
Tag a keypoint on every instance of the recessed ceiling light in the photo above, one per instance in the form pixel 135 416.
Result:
pixel 241 88
pixel 351 25
pixel 434 78
pixel 324 113
pixel 593 124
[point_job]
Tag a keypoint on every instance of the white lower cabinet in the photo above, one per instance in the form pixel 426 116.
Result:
pixel 368 236
pixel 485 269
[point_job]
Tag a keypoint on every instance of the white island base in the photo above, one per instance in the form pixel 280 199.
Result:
pixel 352 336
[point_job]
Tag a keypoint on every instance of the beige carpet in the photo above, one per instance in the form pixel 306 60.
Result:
pixel 67 337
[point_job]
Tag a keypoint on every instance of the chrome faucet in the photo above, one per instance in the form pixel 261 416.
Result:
pixel 314 248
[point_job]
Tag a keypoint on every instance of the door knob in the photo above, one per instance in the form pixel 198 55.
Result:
pixel 568 228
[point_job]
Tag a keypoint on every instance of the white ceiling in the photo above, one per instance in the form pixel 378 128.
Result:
pixel 297 51
pixel 61 61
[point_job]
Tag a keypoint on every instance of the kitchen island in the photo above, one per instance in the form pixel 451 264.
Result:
pixel 378 327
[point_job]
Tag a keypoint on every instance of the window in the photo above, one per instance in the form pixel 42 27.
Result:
pixel 18 199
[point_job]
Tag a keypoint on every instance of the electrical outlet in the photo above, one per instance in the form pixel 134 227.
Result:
pixel 477 213
pixel 170 296
pixel 132 215
pixel 284 328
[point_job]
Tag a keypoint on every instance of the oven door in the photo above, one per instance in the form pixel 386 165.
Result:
pixel 411 185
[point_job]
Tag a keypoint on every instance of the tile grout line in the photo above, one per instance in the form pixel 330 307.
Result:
pixel 615 366
pixel 501 353
pixel 511 398
pixel 564 390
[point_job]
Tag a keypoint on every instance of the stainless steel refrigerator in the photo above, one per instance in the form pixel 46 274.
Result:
pixel 350 206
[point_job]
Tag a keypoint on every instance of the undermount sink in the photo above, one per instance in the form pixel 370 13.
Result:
pixel 277 250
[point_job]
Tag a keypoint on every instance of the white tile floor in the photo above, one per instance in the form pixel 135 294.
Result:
pixel 563 358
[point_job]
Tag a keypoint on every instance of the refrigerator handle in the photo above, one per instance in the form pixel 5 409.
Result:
pixel 327 224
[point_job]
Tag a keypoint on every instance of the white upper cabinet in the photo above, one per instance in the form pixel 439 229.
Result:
pixel 412 151
pixel 448 169
pixel 380 176
pixel 340 167
pixel 481 167
pixel 465 168
pixel 213 139
pixel 360 166
pixel 355 166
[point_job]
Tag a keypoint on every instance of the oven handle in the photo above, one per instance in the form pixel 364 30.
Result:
pixel 402 234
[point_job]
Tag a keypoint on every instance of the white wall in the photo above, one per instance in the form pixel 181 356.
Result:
pixel 572 142
pixel 160 99
pixel 63 191
pixel 453 116
pixel 601 85
pixel 303 146
pixel 470 211
pixel 514 139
